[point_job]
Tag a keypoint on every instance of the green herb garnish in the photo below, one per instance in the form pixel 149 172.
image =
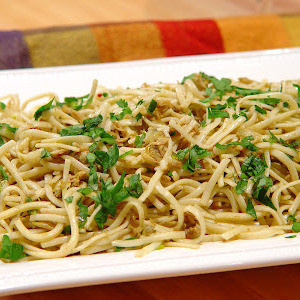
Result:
pixel 125 111
pixel 45 153
pixel 253 168
pixel 187 77
pixel 231 102
pixel 107 159
pixel 170 173
pixel 125 154
pixel 194 154
pixel 8 127
pixel 2 105
pixel 298 93
pixel 152 106
pixel 85 191
pixel 273 139
pixel 10 250
pixel 69 199
pixel 217 111
pixel 140 103
pixel 138 116
pixel 83 214
pixel 43 108
pixel 139 140
pixel 268 100
pixel 250 209
pixel 109 197
pixel 75 103
pixel 241 186
pixel 291 236
pixel 3 173
pixel 135 188
pixel 260 110
pixel 247 92
pixel 245 142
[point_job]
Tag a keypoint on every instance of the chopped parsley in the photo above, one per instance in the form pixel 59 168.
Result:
pixel 138 116
pixel 1 141
pixel 152 106
pixel 285 104
pixel 43 108
pixel 8 127
pixel 109 197
pixel 77 129
pixel 135 188
pixel 241 186
pixel 67 229
pixel 217 111
pixel 76 103
pixel 3 173
pixel 139 140
pixel 290 236
pixel 83 214
pixel 298 93
pixel 273 139
pixel 93 177
pixel 91 129
pixel 194 154
pixel 253 168
pixel 187 77
pixel 140 103
pixel 170 173
pixel 125 154
pixel 247 92
pixel 245 142
pixel 231 102
pixel 92 122
pixel 268 100
pixel 250 209
pixel 296 225
pixel 45 153
pixel 85 191
pixel 2 105
pixel 10 250
pixel 107 159
pixel 126 110
pixel 69 199
pixel 260 110
pixel 241 114
pixel 118 249
pixel 223 85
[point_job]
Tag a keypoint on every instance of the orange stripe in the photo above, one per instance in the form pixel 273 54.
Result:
pixel 128 42
pixel 292 25
pixel 253 33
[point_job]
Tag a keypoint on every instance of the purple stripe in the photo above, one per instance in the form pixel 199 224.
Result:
pixel 13 51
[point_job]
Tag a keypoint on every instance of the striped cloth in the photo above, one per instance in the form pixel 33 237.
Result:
pixel 141 40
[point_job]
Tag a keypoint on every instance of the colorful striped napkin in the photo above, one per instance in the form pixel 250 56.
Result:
pixel 141 40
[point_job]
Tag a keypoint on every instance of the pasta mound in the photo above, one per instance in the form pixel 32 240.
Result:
pixel 164 165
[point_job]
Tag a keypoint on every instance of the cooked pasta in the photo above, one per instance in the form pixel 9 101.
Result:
pixel 164 165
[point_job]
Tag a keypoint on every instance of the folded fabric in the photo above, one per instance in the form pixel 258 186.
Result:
pixel 141 40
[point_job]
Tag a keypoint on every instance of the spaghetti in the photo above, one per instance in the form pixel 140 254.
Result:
pixel 173 165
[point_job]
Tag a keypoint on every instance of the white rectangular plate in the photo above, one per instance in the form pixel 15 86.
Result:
pixel 124 266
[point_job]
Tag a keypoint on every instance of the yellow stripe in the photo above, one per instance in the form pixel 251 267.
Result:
pixel 292 25
pixel 128 42
pixel 253 33
pixel 58 48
